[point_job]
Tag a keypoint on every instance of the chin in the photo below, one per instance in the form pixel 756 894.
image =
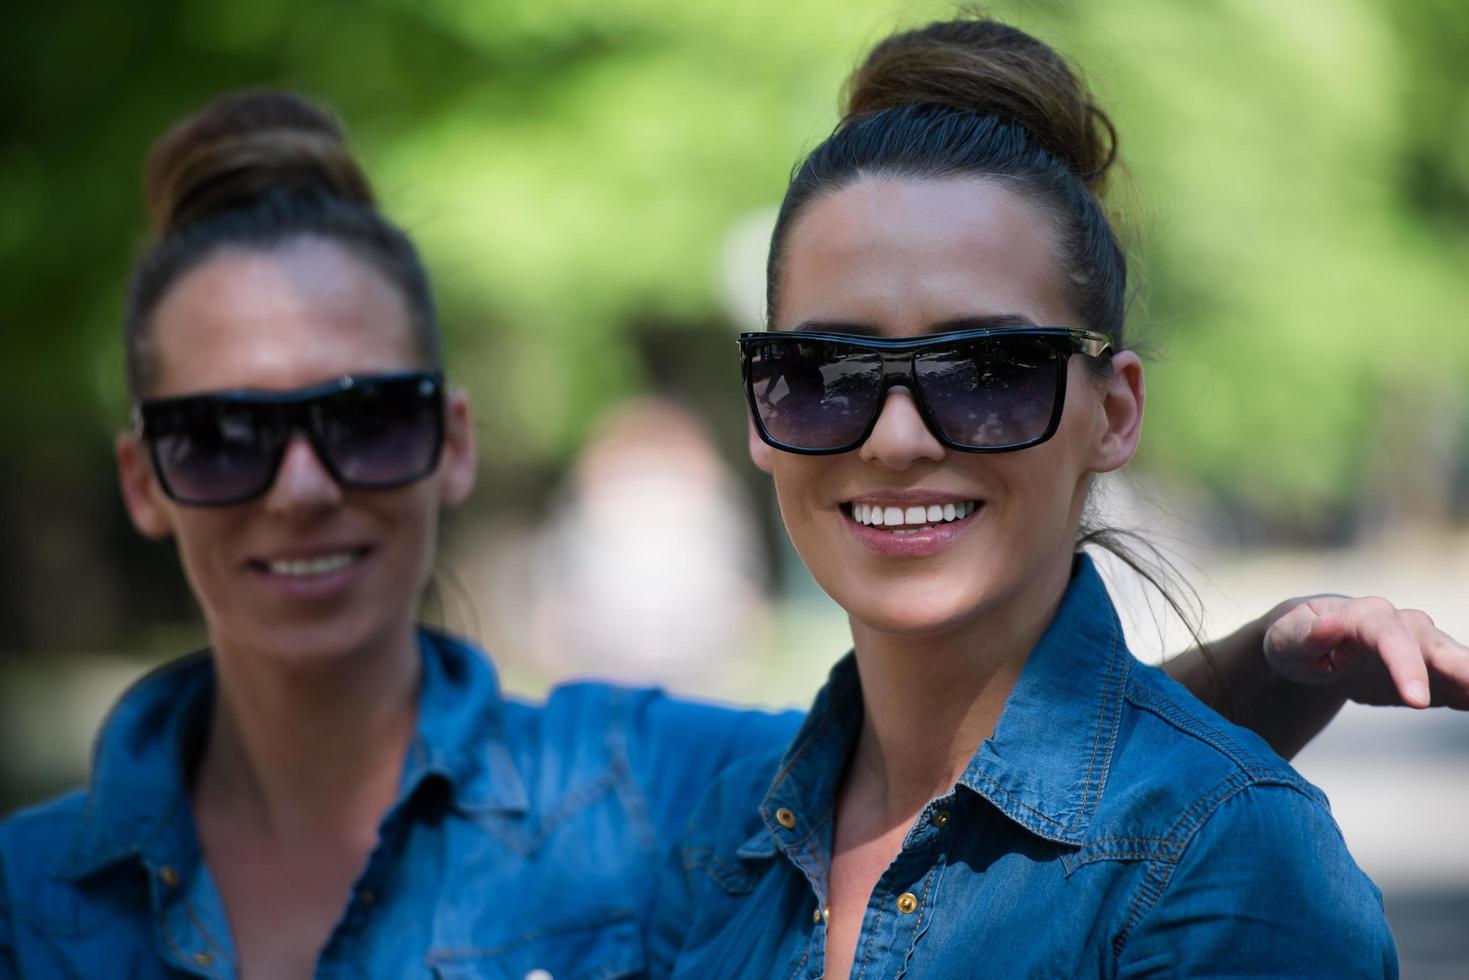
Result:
pixel 914 609
pixel 321 644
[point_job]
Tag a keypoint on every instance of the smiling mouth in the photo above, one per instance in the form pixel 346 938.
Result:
pixel 912 518
pixel 314 567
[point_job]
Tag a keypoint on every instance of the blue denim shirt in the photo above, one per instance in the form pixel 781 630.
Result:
pixel 525 837
pixel 1111 827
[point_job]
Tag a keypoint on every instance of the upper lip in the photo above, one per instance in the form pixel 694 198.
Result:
pixel 308 552
pixel 910 497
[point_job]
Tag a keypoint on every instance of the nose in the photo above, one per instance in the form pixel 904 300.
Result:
pixel 901 437
pixel 302 484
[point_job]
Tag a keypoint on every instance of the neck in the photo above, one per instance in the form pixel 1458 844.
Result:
pixel 929 701
pixel 295 752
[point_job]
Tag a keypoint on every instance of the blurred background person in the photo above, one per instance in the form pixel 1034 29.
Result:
pixel 650 566
pixel 328 786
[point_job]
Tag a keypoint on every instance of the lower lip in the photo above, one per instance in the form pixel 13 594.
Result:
pixel 312 588
pixel 913 544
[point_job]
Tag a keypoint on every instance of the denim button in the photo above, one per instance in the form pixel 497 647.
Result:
pixel 907 903
pixel 168 876
pixel 785 818
pixel 941 819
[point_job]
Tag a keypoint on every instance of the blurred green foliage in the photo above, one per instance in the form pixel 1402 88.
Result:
pixel 1297 195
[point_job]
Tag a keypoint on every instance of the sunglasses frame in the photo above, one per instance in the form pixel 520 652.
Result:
pixel 899 355
pixel 295 406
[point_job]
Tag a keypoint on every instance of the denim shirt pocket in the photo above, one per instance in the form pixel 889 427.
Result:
pixel 600 945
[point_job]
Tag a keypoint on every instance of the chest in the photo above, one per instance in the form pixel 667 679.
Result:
pixel 961 893
pixel 282 902
pixel 447 894
pixel 860 856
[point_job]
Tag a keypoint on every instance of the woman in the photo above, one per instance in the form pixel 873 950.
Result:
pixel 989 785
pixel 331 789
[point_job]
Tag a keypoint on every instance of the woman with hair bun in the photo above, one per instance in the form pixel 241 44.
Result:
pixel 990 784
pixel 331 789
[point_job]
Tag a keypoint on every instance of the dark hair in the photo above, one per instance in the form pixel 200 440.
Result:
pixel 976 98
pixel 260 169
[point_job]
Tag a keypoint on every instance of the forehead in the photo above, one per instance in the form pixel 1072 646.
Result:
pixel 902 255
pixel 278 319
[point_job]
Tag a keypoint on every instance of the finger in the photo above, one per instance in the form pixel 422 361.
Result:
pixel 1391 641
pixel 1303 632
pixel 1327 633
pixel 1448 667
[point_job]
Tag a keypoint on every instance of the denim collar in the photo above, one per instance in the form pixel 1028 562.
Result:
pixel 1046 763
pixel 138 803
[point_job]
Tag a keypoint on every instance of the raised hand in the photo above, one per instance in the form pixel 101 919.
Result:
pixel 1370 651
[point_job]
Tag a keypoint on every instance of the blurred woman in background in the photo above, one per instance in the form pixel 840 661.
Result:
pixel 331 788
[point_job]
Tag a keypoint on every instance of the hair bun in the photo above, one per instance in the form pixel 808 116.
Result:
pixel 990 69
pixel 242 146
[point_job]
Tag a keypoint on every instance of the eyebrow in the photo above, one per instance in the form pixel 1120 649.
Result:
pixel 986 322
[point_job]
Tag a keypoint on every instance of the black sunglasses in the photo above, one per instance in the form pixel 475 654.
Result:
pixel 992 390
pixel 371 432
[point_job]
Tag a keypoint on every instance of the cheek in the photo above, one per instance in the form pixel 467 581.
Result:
pixel 795 481
pixel 415 515
pixel 205 541
pixel 1044 488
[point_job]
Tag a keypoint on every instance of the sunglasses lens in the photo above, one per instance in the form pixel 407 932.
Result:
pixel 813 394
pixel 209 453
pixel 381 433
pixel 991 393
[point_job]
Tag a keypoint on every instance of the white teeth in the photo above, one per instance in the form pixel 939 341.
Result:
pixel 909 519
pixel 309 567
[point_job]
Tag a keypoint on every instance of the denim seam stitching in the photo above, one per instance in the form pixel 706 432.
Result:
pixel 215 947
pixel 1005 794
pixel 1108 701
pixel 930 879
pixel 863 934
pixel 806 955
pixel 168 938
pixel 1170 712
pixel 1161 874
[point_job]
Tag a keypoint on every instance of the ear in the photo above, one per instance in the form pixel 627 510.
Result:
pixel 459 463
pixel 1121 423
pixel 145 500
pixel 760 453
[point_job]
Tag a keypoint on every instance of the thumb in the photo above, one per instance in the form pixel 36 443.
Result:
pixel 1299 645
